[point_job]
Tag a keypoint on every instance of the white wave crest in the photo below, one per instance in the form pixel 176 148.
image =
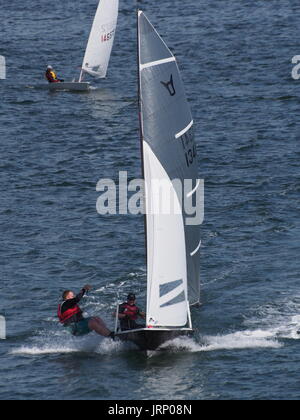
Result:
pixel 236 340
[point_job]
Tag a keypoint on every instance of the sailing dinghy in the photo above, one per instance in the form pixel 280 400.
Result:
pixel 168 153
pixel 99 47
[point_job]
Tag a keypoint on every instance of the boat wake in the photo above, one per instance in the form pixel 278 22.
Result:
pixel 232 341
pixel 241 340
pixel 58 344
pixel 248 339
pixel 268 327
pixel 280 318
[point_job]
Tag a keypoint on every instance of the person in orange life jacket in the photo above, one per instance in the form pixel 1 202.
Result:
pixel 129 313
pixel 70 315
pixel 51 76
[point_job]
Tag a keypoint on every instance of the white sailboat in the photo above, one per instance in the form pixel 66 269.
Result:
pixel 99 47
pixel 168 153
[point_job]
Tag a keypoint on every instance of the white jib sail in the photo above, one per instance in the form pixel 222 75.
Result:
pixel 100 43
pixel 167 304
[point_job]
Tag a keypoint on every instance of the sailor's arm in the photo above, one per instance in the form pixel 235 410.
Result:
pixel 68 304
pixel 142 314
pixel 121 314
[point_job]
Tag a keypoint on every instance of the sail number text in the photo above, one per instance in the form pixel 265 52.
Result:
pixel 108 36
pixel 189 147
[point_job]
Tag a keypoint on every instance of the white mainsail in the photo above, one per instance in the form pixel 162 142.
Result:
pixel 100 43
pixel 169 153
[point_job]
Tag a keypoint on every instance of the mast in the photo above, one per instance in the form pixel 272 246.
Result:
pixel 141 126
pixel 80 77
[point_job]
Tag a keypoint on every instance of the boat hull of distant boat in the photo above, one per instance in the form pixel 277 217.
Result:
pixel 150 339
pixel 71 86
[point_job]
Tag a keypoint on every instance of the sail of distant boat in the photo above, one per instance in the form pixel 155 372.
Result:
pixel 100 43
pixel 168 154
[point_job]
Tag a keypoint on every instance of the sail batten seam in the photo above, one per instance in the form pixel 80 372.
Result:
pixel 194 190
pixel 181 133
pixel 157 63
pixel 196 250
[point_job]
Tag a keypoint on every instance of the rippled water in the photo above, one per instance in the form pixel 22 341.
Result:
pixel 235 59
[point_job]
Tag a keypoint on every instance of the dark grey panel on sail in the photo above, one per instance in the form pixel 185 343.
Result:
pixel 168 287
pixel 152 48
pixel 177 299
pixel 168 129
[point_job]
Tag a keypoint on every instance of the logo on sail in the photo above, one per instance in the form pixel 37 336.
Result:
pixel 175 197
pixel 170 86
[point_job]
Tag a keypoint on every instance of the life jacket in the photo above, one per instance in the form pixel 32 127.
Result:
pixel 131 311
pixel 68 314
pixel 51 76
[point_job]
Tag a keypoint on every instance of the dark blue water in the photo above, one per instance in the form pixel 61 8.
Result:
pixel 235 59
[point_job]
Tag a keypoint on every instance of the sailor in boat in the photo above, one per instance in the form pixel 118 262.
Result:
pixel 129 313
pixel 51 75
pixel 70 315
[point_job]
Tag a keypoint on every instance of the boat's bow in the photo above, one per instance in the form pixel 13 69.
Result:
pixel 150 339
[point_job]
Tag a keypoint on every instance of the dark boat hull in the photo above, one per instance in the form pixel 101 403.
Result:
pixel 71 86
pixel 151 339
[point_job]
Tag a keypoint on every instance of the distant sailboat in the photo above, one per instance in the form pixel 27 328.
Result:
pixel 168 153
pixel 99 46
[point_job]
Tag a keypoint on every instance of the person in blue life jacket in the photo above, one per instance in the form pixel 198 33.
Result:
pixel 71 316
pixel 129 313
